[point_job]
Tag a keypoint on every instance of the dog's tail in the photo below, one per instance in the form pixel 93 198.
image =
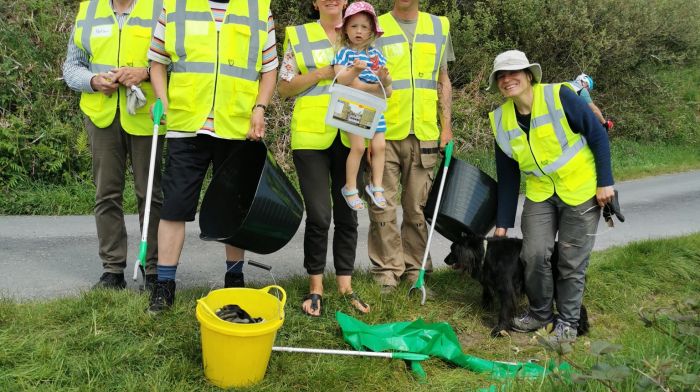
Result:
pixel 584 325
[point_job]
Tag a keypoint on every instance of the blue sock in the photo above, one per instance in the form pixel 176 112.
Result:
pixel 234 266
pixel 166 272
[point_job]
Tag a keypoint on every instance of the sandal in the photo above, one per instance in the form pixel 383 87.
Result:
pixel 378 201
pixel 315 302
pixel 355 204
pixel 357 303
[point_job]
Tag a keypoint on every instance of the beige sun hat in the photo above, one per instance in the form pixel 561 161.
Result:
pixel 513 60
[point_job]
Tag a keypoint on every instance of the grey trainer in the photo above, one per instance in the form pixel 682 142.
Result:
pixel 563 333
pixel 528 323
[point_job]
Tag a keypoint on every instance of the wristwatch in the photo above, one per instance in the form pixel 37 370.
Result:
pixel 259 105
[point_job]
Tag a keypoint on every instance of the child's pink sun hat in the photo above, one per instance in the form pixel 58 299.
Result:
pixel 356 8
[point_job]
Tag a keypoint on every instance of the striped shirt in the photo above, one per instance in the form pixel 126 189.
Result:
pixel 374 60
pixel 158 53
pixel 371 56
pixel 76 71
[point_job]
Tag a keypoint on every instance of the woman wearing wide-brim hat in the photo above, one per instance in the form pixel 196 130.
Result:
pixel 548 133
pixel 319 153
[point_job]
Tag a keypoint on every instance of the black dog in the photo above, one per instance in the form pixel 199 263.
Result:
pixel 501 274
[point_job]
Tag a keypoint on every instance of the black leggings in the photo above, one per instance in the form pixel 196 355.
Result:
pixel 320 171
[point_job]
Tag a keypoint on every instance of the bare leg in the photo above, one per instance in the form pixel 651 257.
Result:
pixel 315 287
pixel 234 254
pixel 171 237
pixel 378 156
pixel 352 165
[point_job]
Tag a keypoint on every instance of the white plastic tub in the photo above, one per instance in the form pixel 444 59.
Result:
pixel 354 111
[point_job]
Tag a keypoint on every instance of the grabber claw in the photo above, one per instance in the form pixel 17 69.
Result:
pixel 420 285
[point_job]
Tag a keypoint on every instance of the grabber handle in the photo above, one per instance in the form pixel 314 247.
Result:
pixel 410 356
pixel 260 265
pixel 448 152
pixel 157 111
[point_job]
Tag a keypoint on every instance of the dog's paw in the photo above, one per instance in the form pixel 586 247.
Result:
pixel 499 332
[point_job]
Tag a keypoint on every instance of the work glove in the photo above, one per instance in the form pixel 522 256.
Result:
pixel 613 208
pixel 135 99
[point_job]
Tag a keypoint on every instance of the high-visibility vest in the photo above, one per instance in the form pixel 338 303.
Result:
pixel 312 50
pixel 414 74
pixel 553 157
pixel 214 69
pixel 97 33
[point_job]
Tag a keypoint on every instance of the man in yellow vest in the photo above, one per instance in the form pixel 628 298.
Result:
pixel 224 70
pixel 417 46
pixel 106 57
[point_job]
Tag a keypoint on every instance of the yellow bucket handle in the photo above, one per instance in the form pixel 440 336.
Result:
pixel 279 289
pixel 207 308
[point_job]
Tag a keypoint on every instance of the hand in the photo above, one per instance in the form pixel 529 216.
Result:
pixel 359 64
pixel 383 75
pixel 604 194
pixel 500 232
pixel 445 137
pixel 325 73
pixel 129 76
pixel 257 124
pixel 104 84
pixel 165 110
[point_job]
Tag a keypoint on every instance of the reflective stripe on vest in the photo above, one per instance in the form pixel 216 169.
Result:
pixel 414 74
pixel 312 50
pixel 107 47
pixel 568 170
pixel 214 69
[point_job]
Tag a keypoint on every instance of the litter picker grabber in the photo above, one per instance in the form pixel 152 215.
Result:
pixel 413 359
pixel 393 355
pixel 420 282
pixel 143 247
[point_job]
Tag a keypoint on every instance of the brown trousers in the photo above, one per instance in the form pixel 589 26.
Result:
pixel 110 147
pixel 397 253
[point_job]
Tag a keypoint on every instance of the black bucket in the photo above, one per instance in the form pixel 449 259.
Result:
pixel 468 201
pixel 250 202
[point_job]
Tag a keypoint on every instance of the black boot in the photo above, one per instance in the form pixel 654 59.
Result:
pixel 148 280
pixel 162 296
pixel 234 279
pixel 111 280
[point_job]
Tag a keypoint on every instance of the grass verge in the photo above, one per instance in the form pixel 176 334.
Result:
pixel 103 340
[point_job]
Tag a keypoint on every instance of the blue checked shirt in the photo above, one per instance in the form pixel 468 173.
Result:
pixel 76 71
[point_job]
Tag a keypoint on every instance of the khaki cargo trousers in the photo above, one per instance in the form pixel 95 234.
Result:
pixel 394 252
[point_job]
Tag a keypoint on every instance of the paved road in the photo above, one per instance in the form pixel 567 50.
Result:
pixel 47 256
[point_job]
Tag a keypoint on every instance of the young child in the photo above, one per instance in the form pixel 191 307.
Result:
pixel 360 65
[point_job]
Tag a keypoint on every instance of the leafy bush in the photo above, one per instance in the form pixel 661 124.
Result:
pixel 620 43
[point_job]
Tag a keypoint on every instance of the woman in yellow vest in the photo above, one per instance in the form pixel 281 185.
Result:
pixel 107 56
pixel 319 153
pixel 224 69
pixel 548 133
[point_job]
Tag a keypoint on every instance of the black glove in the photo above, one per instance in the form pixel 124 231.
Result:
pixel 613 208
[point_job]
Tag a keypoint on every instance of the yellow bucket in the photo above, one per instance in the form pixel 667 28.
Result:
pixel 236 355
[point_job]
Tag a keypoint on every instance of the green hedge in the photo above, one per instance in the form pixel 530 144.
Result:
pixel 620 42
